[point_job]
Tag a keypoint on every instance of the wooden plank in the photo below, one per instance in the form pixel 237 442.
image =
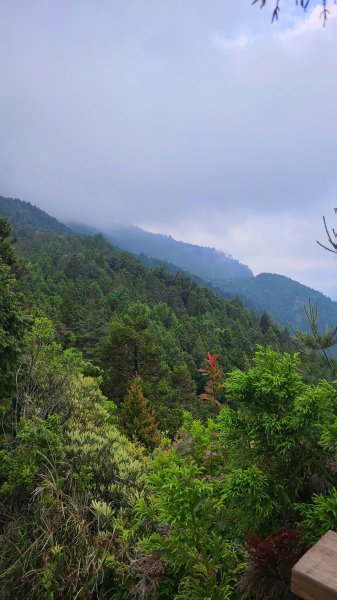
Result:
pixel 314 577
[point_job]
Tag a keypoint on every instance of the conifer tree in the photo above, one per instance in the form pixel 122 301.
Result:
pixel 136 418
pixel 12 317
pixel 130 348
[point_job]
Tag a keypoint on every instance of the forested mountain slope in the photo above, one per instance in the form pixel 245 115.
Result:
pixel 23 214
pixel 283 298
pixel 104 301
pixel 113 484
pixel 222 292
pixel 205 262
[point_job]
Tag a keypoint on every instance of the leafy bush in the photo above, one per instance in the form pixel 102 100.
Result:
pixel 320 515
pixel 267 576
pixel 184 519
pixel 275 423
pixel 69 482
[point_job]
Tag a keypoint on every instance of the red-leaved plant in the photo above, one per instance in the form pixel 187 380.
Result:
pixel 267 576
pixel 214 374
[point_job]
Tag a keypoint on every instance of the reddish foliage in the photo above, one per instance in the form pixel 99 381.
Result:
pixel 211 359
pixel 214 375
pixel 150 571
pixel 267 576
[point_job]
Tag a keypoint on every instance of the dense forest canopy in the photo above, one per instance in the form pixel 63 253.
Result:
pixel 281 297
pixel 157 441
pixel 207 263
pixel 96 293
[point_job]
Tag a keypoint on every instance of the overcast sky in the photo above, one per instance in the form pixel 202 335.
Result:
pixel 192 117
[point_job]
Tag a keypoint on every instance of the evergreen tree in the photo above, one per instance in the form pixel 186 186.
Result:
pixel 130 348
pixel 7 254
pixel 136 418
pixel 265 322
pixel 12 318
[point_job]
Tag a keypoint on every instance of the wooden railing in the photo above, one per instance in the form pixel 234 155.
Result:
pixel 314 577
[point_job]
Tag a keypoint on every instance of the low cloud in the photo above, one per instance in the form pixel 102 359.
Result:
pixel 225 43
pixel 312 22
pixel 203 121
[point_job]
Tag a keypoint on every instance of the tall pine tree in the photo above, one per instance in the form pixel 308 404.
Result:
pixel 136 417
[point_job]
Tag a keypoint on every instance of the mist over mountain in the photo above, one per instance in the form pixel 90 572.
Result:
pixel 23 214
pixel 83 281
pixel 107 356
pixel 205 262
pixel 281 297
pixel 168 416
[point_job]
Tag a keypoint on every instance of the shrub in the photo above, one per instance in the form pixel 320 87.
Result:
pixel 267 576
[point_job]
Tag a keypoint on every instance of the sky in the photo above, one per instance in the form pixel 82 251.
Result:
pixel 196 118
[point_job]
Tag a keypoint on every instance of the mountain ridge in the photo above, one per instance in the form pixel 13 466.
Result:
pixel 283 298
pixel 280 296
pixel 22 214
pixel 204 261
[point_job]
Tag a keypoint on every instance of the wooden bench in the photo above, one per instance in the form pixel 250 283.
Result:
pixel 314 577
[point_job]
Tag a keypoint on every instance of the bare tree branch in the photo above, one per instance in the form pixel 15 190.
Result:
pixel 301 3
pixel 330 238
pixel 316 340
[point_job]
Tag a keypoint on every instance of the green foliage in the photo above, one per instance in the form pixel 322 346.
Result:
pixel 48 372
pixel 24 216
pixel 277 426
pixel 317 341
pixel 68 483
pixel 13 319
pixel 283 299
pixel 200 441
pixel 320 515
pixel 7 254
pixel 249 499
pixel 86 513
pixel 130 348
pixel 81 282
pixel 197 560
pixel 38 441
pixel 251 470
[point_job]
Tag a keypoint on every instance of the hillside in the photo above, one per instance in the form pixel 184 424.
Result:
pixel 83 282
pixel 23 214
pixel 118 435
pixel 280 296
pixel 205 262
pixel 86 286
pixel 283 298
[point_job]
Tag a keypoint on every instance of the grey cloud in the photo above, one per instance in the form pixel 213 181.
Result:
pixel 134 110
